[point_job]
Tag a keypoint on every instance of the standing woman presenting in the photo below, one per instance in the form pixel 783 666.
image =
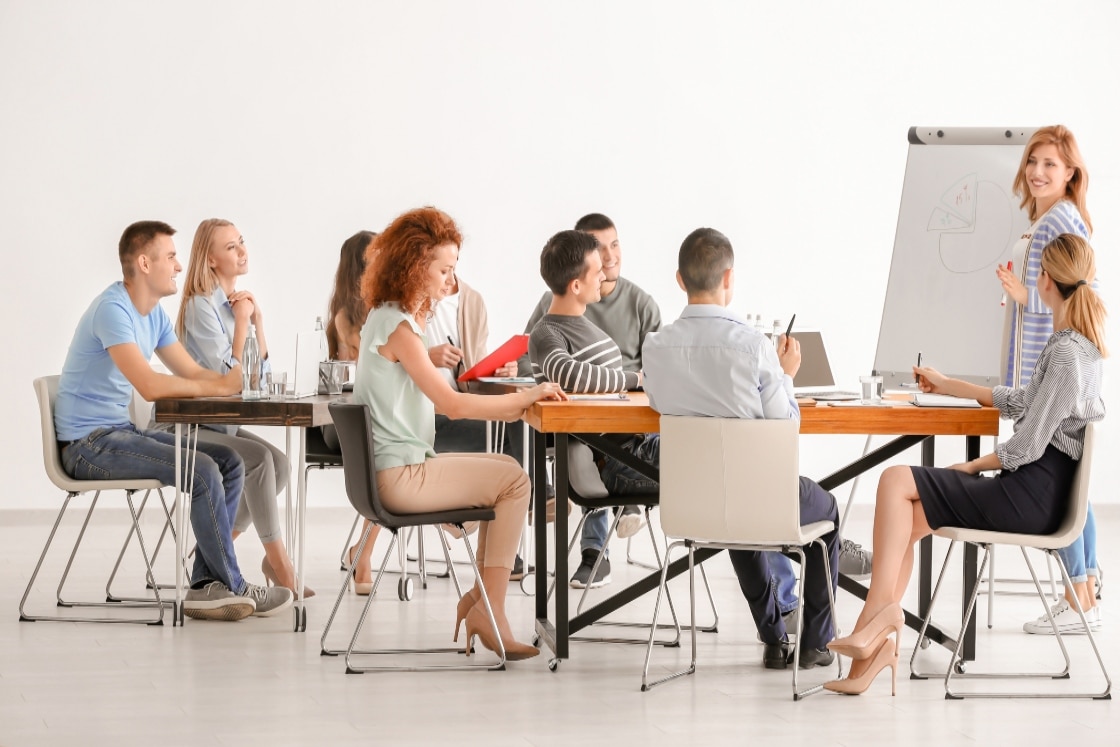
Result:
pixel 214 319
pixel 410 268
pixel 1052 182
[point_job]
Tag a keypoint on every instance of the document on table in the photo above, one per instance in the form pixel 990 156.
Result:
pixel 857 403
pixel 922 399
pixel 507 379
pixel 601 397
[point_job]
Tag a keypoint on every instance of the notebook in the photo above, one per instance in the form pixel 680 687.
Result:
pixel 814 378
pixel 922 399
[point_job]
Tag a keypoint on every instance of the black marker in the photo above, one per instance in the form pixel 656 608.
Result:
pixel 916 381
pixel 790 327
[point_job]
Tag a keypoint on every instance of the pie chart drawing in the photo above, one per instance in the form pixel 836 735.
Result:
pixel 973 220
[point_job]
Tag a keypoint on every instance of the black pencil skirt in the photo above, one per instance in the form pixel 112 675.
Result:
pixel 1031 500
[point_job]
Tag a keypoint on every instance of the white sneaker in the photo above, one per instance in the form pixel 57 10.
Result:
pixel 630 523
pixel 1067 620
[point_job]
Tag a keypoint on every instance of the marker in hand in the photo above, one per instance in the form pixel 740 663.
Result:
pixel 1003 301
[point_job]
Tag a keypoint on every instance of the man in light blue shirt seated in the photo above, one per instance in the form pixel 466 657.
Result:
pixel 712 363
pixel 108 357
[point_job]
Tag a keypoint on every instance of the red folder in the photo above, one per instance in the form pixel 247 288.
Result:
pixel 511 350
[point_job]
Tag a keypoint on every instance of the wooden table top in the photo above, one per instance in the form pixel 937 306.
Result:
pixel 304 412
pixel 634 415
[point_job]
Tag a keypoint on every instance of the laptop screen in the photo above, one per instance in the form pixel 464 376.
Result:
pixel 307 363
pixel 815 371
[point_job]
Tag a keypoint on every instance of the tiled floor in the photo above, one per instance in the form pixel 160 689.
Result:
pixel 256 682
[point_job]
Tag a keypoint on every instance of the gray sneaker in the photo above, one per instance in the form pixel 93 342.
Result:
pixel 855 562
pixel 216 602
pixel 271 600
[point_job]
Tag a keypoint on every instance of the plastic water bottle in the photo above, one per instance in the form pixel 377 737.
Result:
pixel 758 323
pixel 777 333
pixel 324 353
pixel 251 367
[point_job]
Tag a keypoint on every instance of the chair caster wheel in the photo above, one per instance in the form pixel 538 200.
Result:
pixel 959 667
pixel 553 664
pixel 536 640
pixel 925 643
pixel 404 589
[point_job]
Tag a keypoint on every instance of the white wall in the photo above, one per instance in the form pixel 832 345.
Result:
pixel 783 125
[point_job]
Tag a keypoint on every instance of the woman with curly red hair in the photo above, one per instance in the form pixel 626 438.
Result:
pixel 410 267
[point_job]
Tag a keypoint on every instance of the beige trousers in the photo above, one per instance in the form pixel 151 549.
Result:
pixel 451 481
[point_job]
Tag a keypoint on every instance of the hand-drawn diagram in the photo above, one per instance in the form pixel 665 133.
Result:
pixel 974 221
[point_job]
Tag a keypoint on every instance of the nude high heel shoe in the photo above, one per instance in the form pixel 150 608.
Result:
pixel 863 643
pixel 361 588
pixel 885 656
pixel 479 625
pixel 271 579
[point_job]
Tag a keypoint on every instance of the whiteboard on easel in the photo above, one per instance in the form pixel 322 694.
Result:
pixel 957 221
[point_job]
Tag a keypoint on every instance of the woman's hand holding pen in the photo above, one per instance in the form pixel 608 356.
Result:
pixel 931 380
pixel 1012 286
pixel 445 356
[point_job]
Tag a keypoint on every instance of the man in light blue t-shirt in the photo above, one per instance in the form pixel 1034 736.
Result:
pixel 109 357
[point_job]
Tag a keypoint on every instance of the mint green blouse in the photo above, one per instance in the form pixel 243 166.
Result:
pixel 404 419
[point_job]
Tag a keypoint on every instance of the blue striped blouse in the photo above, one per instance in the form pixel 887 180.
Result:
pixel 1035 319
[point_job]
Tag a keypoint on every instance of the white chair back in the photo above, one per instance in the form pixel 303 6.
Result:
pixel 730 480
pixel 46 391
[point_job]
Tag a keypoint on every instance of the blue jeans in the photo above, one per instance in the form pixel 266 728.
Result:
pixel 125 453
pixel 1080 558
pixel 755 577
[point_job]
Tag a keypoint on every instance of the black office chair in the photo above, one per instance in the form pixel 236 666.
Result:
pixel 355 435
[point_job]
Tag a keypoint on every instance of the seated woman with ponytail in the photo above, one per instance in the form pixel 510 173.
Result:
pixel 1036 466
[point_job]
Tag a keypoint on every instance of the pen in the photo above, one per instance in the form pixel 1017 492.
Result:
pixel 790 327
pixel 1003 301
pixel 458 365
pixel 919 366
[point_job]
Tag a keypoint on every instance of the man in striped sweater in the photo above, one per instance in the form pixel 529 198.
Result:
pixel 567 348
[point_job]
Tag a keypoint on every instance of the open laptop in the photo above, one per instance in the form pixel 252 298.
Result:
pixel 307 363
pixel 814 379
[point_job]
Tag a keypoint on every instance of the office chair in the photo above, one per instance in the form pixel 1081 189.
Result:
pixel 355 435
pixel 46 390
pixel 734 484
pixel 1066 533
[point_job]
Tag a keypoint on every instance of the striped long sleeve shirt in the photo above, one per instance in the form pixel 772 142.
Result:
pixel 1064 395
pixel 1034 319
pixel 577 355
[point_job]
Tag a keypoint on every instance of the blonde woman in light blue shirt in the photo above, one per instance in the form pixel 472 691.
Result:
pixel 214 319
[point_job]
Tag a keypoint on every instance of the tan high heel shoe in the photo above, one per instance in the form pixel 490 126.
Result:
pixel 466 602
pixel 885 656
pixel 479 625
pixel 271 579
pixel 361 588
pixel 863 643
